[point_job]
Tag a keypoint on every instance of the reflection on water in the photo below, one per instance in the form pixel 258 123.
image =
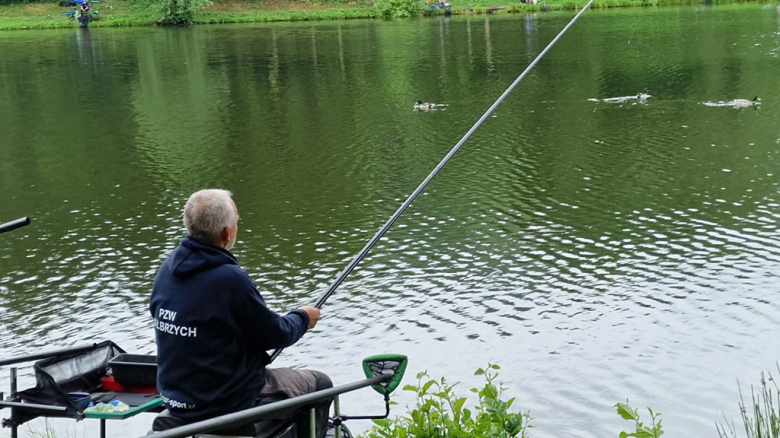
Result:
pixel 635 99
pixel 738 103
pixel 597 256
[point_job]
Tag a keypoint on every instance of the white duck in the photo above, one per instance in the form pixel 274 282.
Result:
pixel 744 103
pixel 420 105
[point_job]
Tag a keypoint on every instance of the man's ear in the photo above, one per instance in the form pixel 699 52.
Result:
pixel 225 234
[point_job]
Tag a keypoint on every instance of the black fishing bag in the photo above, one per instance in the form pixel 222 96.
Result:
pixel 57 376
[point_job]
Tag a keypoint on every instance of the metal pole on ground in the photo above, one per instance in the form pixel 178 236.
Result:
pixel 337 413
pixel 14 427
pixel 312 424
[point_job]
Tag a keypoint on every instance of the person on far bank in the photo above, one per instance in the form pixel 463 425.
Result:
pixel 213 328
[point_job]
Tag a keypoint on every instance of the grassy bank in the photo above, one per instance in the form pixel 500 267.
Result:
pixel 50 15
pixel 252 16
pixel 118 13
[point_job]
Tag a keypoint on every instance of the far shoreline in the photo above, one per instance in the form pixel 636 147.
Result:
pixel 127 13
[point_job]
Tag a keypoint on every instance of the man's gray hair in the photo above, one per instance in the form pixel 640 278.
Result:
pixel 208 212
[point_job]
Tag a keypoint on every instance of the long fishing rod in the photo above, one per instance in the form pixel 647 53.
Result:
pixel 364 252
pixel 8 226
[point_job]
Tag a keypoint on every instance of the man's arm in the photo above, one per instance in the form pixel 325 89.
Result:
pixel 265 329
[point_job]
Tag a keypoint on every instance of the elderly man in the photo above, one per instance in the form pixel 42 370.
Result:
pixel 213 328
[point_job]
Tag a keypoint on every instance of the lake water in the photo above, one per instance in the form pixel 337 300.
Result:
pixel 596 251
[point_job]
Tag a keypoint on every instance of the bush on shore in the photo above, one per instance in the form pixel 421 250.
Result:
pixel 397 8
pixel 440 413
pixel 180 11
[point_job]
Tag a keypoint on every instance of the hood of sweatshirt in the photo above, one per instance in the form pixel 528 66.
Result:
pixel 192 257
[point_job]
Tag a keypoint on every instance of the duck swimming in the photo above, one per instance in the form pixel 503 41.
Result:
pixel 641 97
pixel 744 103
pixel 420 105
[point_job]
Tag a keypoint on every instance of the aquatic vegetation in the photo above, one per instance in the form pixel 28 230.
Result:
pixel 654 430
pixel 765 419
pixel 439 412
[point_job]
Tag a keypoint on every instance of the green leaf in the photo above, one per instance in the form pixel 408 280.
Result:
pixel 658 429
pixel 479 372
pixel 474 390
pixel 495 367
pixel 643 432
pixel 489 391
pixel 410 388
pixel 459 405
pixel 625 411
pixel 514 424
pixel 427 386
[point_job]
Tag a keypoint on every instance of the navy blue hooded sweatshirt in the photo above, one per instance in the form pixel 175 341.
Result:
pixel 213 329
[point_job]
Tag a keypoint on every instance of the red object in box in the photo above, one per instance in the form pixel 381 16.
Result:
pixel 109 384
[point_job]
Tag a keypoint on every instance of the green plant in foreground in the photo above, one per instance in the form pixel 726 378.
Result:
pixel 765 422
pixel 48 431
pixel 440 413
pixel 642 431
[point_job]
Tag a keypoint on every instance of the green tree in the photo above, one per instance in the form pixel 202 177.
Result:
pixel 180 11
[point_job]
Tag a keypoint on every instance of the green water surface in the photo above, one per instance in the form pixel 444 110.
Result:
pixel 597 251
